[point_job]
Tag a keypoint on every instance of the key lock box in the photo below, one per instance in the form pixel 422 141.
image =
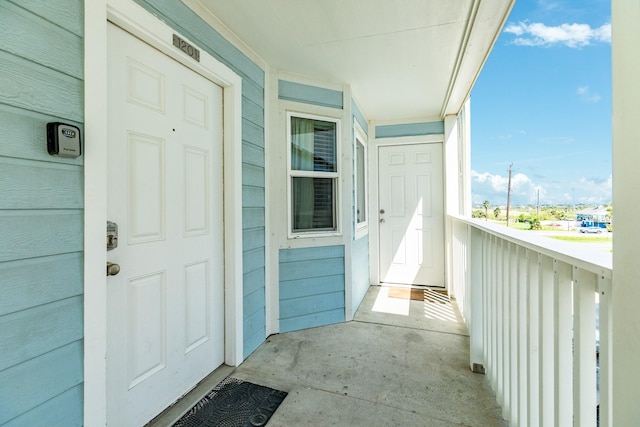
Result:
pixel 112 243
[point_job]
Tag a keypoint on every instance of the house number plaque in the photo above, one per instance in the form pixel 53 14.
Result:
pixel 186 47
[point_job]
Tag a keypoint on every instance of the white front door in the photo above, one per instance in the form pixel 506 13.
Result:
pixel 411 214
pixel 165 309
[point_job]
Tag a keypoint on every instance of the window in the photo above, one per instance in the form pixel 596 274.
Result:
pixel 313 173
pixel 360 181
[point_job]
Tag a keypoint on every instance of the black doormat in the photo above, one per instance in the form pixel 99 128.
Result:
pixel 234 403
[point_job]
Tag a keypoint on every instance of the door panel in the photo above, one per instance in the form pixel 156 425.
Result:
pixel 165 308
pixel 411 214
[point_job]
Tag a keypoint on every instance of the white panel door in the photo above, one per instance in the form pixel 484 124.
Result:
pixel 166 306
pixel 411 214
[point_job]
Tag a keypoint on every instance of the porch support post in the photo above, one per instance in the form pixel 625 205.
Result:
pixel 625 292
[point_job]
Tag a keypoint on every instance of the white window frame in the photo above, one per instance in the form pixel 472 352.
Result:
pixel 359 137
pixel 313 174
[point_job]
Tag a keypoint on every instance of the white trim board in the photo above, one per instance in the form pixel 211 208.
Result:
pixel 137 21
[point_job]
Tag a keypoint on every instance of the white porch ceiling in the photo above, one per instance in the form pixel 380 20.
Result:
pixel 402 58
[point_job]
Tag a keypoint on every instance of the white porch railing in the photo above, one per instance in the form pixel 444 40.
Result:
pixel 531 304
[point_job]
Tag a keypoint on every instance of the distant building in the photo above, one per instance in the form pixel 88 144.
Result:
pixel 589 216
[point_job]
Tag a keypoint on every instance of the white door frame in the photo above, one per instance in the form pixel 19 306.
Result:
pixel 374 193
pixel 136 20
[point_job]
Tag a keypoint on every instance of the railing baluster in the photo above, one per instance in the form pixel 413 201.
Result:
pixel 499 320
pixel 584 348
pixel 493 279
pixel 606 368
pixel 475 294
pixel 563 277
pixel 513 331
pixel 534 331
pixel 506 325
pixel 486 272
pixel 545 279
pixel 523 343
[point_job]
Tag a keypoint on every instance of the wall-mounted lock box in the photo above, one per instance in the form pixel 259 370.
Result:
pixel 63 140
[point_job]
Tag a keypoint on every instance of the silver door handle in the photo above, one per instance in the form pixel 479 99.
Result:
pixel 381 219
pixel 112 269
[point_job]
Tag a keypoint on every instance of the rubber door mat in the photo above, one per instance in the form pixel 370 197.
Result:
pixel 234 403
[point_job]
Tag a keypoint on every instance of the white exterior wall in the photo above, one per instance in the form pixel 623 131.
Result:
pixel 626 199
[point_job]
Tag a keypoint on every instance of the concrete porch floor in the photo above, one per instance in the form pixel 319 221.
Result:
pixel 400 362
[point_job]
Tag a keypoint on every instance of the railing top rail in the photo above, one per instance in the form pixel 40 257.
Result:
pixel 585 258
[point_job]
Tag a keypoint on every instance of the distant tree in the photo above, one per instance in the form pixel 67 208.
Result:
pixel 535 224
pixel 477 213
pixel 496 212
pixel 485 204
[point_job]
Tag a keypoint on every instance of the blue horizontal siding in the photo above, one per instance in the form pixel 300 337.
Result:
pixel 41 215
pixel 49 44
pixel 64 410
pixel 29 333
pixel 253 281
pixel 28 184
pixel 311 287
pixel 66 14
pixel 46 88
pixel 39 380
pixel 253 175
pixel 307 94
pixel 312 320
pixel 32 282
pixel 308 254
pixel 252 238
pixel 22 233
pixel 359 117
pixel 303 306
pixel 410 129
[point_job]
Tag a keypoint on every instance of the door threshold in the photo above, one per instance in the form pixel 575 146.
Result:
pixel 405 286
pixel 174 412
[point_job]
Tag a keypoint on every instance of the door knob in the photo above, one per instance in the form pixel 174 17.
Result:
pixel 381 219
pixel 112 269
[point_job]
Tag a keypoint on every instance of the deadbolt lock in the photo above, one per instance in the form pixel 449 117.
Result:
pixel 112 235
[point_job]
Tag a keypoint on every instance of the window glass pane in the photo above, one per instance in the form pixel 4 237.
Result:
pixel 361 206
pixel 313 204
pixel 313 145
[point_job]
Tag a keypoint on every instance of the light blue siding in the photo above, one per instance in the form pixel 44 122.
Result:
pixel 34 382
pixel 311 287
pixel 41 215
pixel 64 410
pixel 410 129
pixel 187 23
pixel 359 117
pixel 359 270
pixel 307 94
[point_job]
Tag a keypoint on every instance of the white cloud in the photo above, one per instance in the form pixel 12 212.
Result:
pixel 585 94
pixel 571 35
pixel 593 191
pixel 487 186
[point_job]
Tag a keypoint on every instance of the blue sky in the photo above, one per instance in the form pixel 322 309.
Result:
pixel 543 103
